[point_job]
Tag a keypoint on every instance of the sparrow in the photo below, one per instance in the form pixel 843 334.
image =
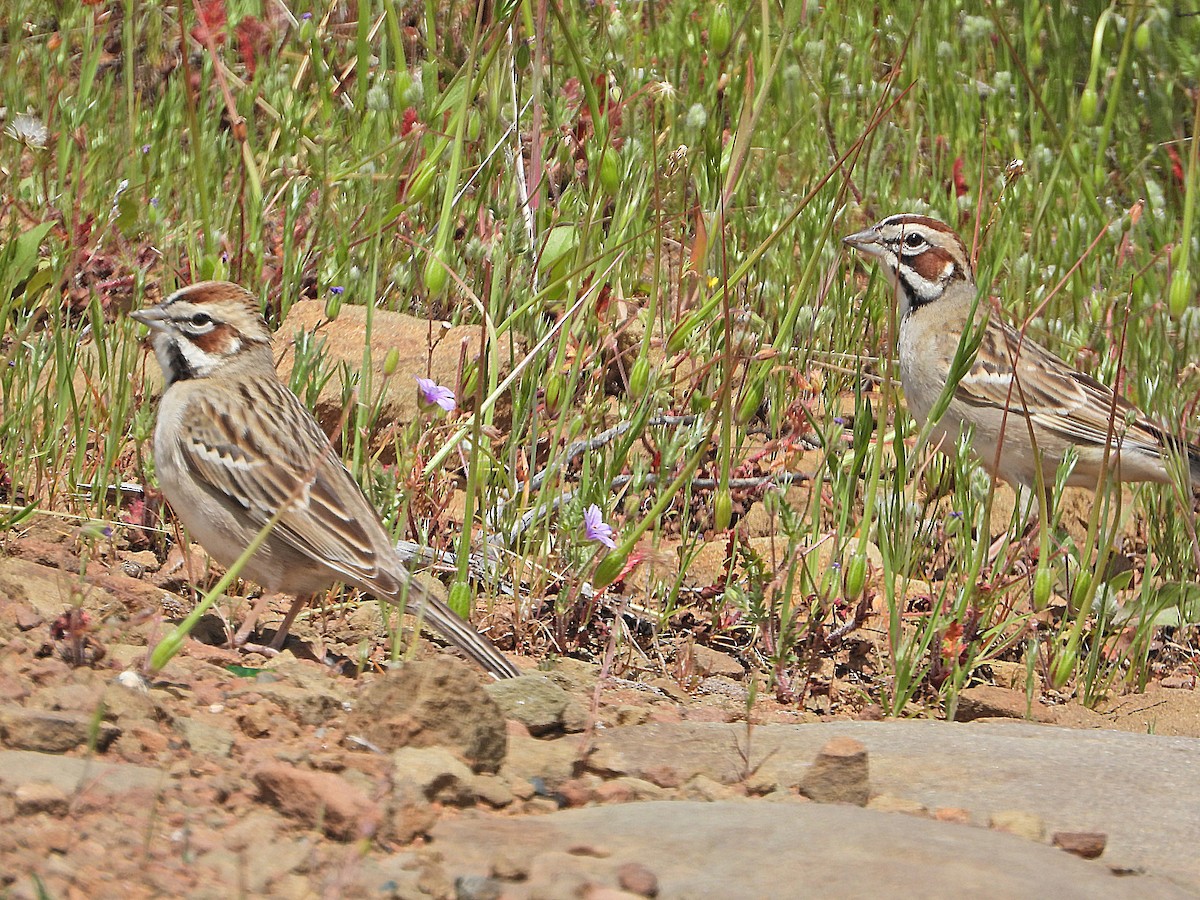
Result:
pixel 1023 406
pixel 233 446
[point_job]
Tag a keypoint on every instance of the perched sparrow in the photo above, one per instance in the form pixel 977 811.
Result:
pixel 930 272
pixel 233 445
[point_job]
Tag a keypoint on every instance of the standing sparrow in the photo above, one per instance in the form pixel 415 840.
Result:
pixel 233 446
pixel 930 272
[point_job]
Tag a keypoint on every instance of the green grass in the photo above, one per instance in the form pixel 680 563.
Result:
pixel 682 257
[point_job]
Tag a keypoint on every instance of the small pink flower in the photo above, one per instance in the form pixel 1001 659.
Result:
pixel 433 394
pixel 596 528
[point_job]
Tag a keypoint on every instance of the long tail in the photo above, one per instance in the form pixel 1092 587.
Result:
pixel 458 631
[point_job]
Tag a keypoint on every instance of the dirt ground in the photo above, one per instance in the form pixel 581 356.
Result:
pixel 232 774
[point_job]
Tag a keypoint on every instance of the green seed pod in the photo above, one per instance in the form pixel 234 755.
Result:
pixel 391 362
pixel 460 599
pixel 554 394
pixel 1043 585
pixel 722 510
pixel 608 570
pixel 1141 37
pixel 436 274
pixel 720 28
pixel 1035 55
pixel 639 377
pixel 1089 104
pixel 333 305
pixel 678 339
pixel 1063 666
pixel 1181 291
pixel 421 182
pixel 856 575
pixel 474 125
pixel 751 401
pixel 610 172
pixel 1079 593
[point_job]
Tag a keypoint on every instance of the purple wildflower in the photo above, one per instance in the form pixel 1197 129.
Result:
pixel 433 394
pixel 337 289
pixel 596 528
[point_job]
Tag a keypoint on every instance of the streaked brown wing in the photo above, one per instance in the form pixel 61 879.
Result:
pixel 327 516
pixel 1056 397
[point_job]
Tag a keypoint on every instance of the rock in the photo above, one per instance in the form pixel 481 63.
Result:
pixel 19 767
pixel 437 775
pixel 1088 844
pixel 637 879
pixel 889 803
pixel 713 662
pixel 125 705
pixel 838 774
pixel 988 701
pixel 492 790
pixel 429 703
pixel 41 797
pixel 204 738
pixel 547 762
pixel 318 799
pixel 954 814
pixel 477 887
pixel 342 341
pixel 533 700
pixel 701 787
pixel 52 732
pixel 1018 822
pixel 304 705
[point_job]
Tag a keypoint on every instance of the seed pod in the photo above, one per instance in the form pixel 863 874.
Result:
pixel 391 362
pixel 608 570
pixel 751 401
pixel 421 182
pixel 1043 584
pixel 459 599
pixel 722 510
pixel 1141 37
pixel 1089 103
pixel 436 274
pixel 1181 291
pixel 610 174
pixel 554 394
pixel 639 377
pixel 333 305
pixel 856 575
pixel 720 28
pixel 1063 666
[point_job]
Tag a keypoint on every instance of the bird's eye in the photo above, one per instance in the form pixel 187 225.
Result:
pixel 200 319
pixel 913 240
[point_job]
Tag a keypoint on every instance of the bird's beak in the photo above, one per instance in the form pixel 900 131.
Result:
pixel 865 242
pixel 154 317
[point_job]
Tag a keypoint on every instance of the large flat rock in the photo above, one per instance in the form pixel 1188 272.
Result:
pixel 761 849
pixel 1142 790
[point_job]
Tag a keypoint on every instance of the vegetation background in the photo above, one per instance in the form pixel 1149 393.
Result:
pixel 641 202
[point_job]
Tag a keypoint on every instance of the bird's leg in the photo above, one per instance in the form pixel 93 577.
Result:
pixel 242 636
pixel 280 638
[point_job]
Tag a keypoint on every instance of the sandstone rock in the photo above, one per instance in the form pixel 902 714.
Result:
pixel 342 341
pixel 52 732
pixel 533 700
pixel 41 797
pixel 988 701
pixel 204 738
pixel 433 702
pixel 550 762
pixel 637 879
pixel 305 705
pixel 436 774
pixel 838 774
pixel 713 662
pixel 1019 822
pixel 1088 844
pixel 318 799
